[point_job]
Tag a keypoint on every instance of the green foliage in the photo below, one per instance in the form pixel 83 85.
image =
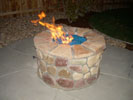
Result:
pixel 74 9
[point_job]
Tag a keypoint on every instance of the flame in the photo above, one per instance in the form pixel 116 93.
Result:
pixel 56 31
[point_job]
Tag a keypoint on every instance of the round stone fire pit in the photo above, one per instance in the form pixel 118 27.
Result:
pixel 69 67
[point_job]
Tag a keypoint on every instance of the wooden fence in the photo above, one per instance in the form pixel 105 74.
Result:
pixel 23 7
pixel 114 4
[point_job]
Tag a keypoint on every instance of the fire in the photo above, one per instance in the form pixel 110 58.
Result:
pixel 56 31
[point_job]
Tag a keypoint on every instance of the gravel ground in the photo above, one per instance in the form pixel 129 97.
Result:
pixel 13 29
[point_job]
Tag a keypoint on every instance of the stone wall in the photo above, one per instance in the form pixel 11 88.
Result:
pixel 69 67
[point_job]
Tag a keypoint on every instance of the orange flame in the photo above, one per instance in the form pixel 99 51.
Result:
pixel 56 31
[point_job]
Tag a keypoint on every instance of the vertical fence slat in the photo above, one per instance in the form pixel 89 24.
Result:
pixel 20 2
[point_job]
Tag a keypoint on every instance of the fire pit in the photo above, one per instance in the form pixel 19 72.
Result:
pixel 69 66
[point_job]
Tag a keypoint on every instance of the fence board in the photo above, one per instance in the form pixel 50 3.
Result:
pixel 23 7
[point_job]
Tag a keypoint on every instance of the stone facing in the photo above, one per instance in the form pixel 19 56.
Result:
pixel 76 68
pixel 64 73
pixel 48 59
pixel 79 83
pixel 61 62
pixel 51 70
pixel 69 67
pixel 77 76
pixel 65 83
pixel 47 79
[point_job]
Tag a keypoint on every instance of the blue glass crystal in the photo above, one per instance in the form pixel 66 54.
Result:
pixel 76 40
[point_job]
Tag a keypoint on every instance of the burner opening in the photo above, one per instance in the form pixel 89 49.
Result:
pixel 76 40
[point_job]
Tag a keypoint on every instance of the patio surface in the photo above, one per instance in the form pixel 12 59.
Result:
pixel 19 81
